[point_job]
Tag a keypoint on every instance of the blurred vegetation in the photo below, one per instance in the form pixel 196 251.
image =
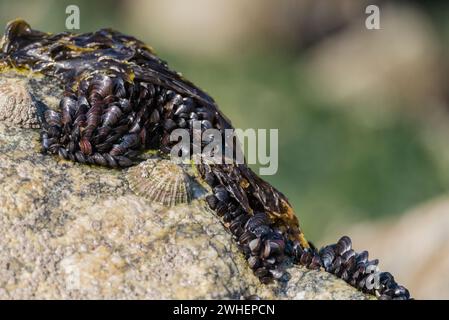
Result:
pixel 333 169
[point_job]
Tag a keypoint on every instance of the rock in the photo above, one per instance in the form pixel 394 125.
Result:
pixel 72 231
pixel 423 230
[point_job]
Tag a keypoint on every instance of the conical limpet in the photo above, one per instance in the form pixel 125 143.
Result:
pixel 17 107
pixel 160 181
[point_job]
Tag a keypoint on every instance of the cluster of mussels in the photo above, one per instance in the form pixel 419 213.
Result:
pixel 120 99
pixel 109 122
pixel 355 268
pixel 262 245
pixel 266 248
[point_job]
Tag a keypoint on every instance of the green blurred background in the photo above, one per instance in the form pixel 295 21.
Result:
pixel 362 114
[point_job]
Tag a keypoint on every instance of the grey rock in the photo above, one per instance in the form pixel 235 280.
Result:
pixel 73 231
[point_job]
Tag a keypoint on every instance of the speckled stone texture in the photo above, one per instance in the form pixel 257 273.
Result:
pixel 72 231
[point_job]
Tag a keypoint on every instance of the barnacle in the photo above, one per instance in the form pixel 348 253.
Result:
pixel 117 100
pixel 16 104
pixel 161 181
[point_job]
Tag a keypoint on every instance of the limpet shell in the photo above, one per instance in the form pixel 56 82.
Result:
pixel 17 107
pixel 160 181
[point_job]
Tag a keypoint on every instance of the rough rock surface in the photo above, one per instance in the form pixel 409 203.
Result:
pixel 71 231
